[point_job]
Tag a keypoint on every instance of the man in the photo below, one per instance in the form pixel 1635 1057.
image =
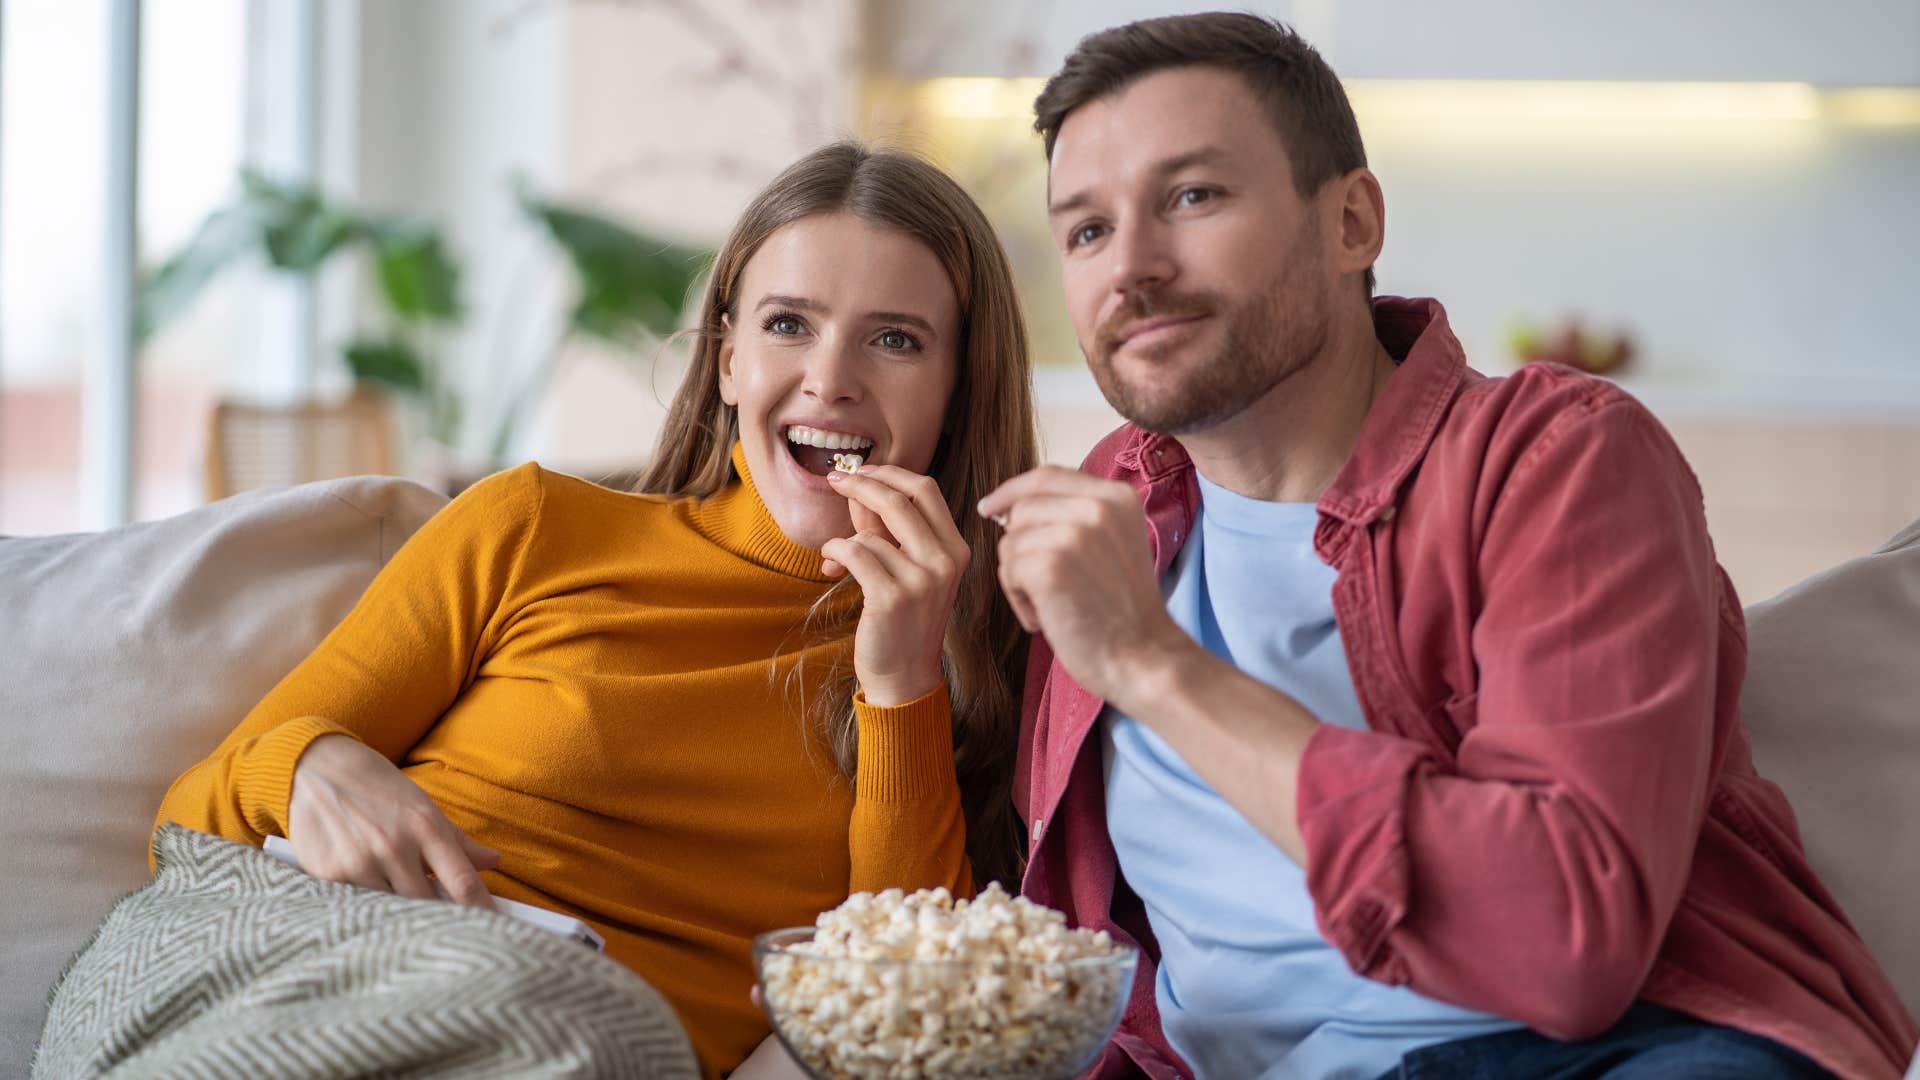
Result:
pixel 1393 710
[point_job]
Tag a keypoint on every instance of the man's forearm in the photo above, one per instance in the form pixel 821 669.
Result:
pixel 1243 737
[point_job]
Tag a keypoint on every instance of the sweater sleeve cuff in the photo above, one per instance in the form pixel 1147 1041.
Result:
pixel 263 775
pixel 906 751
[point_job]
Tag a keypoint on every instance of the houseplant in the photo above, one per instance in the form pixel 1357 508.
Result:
pixel 628 290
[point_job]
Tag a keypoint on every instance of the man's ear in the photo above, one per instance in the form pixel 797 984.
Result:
pixel 727 392
pixel 1362 226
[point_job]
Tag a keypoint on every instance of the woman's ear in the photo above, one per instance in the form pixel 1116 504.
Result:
pixel 727 392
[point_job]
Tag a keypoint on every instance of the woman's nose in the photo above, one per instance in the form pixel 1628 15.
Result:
pixel 833 372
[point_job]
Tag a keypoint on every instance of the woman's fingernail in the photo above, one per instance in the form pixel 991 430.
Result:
pixel 836 476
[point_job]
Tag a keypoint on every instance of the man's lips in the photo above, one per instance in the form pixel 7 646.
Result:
pixel 1156 329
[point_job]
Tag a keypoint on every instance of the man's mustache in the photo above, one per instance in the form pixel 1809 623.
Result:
pixel 1139 306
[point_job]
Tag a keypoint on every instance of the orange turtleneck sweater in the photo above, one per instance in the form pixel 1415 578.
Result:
pixel 585 680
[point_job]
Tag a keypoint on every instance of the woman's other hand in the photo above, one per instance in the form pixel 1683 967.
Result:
pixel 355 817
pixel 769 1060
pixel 907 556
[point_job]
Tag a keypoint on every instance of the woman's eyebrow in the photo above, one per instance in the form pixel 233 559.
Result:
pixel 783 300
pixel 909 319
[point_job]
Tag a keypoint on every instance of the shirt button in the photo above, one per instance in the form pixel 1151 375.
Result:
pixel 1387 513
pixel 1039 826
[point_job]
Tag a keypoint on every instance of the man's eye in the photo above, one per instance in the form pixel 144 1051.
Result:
pixel 1193 196
pixel 1085 234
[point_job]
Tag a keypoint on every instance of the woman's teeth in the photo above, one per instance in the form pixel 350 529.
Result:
pixel 827 440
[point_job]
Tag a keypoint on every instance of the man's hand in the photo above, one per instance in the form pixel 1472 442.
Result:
pixel 1076 566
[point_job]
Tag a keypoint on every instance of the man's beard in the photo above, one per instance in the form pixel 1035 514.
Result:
pixel 1261 345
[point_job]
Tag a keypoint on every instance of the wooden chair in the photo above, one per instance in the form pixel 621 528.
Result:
pixel 256 446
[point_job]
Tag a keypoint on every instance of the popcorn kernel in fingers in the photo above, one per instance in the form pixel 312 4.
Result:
pixel 847 463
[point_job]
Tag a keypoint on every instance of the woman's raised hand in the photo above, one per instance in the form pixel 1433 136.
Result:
pixel 907 556
pixel 355 817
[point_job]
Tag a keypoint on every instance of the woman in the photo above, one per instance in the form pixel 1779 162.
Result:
pixel 660 711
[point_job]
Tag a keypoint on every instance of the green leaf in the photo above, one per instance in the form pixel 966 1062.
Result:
pixel 390 363
pixel 630 284
pixel 171 288
pixel 299 228
pixel 418 277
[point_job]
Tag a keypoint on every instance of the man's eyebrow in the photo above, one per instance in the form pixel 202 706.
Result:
pixel 1205 155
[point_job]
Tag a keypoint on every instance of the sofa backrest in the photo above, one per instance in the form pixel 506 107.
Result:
pixel 1832 699
pixel 125 657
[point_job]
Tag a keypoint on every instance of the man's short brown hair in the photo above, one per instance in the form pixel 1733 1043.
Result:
pixel 1301 93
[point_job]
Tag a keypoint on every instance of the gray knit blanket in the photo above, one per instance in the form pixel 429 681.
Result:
pixel 232 964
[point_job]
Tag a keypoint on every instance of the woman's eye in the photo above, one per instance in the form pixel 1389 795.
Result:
pixel 896 340
pixel 1193 196
pixel 784 324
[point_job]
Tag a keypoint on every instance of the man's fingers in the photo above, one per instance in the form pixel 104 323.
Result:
pixel 1045 480
pixel 1016 595
pixel 446 855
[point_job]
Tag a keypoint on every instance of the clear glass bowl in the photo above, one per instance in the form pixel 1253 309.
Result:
pixel 845 1019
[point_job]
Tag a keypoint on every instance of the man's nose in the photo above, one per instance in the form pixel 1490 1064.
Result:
pixel 1142 258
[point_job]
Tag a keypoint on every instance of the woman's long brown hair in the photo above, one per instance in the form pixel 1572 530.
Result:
pixel 988 437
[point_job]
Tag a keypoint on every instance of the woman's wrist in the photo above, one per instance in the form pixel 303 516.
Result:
pixel 892 692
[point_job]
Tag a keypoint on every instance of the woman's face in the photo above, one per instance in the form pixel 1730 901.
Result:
pixel 843 339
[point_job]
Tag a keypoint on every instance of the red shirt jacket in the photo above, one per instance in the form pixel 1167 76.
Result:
pixel 1554 810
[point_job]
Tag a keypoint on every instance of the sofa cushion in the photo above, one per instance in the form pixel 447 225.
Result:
pixel 125 656
pixel 1832 699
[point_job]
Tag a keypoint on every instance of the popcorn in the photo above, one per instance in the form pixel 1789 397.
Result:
pixel 847 463
pixel 902 987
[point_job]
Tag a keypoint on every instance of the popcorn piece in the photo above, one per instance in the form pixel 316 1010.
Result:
pixel 847 463
pixel 923 985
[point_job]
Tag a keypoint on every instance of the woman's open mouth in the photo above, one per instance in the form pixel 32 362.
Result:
pixel 818 451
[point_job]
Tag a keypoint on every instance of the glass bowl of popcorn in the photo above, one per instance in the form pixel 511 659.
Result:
pixel 899 986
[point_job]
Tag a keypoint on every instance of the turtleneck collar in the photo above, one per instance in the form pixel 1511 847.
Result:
pixel 737 519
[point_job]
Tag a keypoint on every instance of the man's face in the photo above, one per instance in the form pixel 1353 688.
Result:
pixel 1197 278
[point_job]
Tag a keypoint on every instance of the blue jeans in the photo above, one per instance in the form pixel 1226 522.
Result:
pixel 1649 1041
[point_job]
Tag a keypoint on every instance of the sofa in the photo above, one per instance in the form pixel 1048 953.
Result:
pixel 126 655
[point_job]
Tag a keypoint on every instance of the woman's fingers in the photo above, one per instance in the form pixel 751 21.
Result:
pixel 482 856
pixel 446 852
pixel 911 508
pixel 869 559
pixel 405 872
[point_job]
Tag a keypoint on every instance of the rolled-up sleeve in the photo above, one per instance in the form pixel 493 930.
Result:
pixel 1534 875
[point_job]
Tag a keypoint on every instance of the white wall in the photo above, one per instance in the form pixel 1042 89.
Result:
pixel 1844 42
pixel 1762 258
pixel 454 98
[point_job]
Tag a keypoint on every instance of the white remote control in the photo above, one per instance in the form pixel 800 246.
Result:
pixel 564 925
